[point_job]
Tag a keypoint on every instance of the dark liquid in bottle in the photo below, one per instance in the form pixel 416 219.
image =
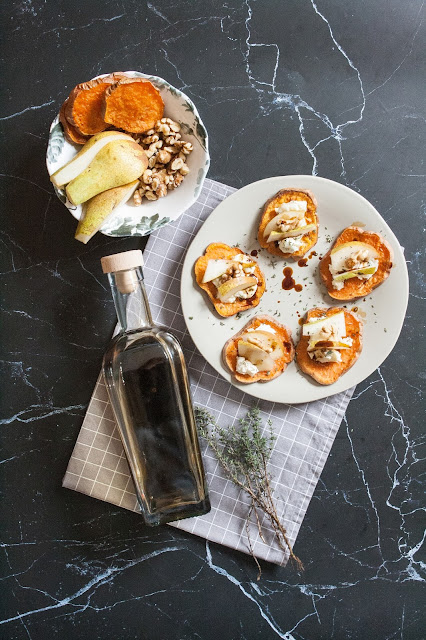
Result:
pixel 151 388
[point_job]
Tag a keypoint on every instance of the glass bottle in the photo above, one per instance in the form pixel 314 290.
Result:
pixel 145 374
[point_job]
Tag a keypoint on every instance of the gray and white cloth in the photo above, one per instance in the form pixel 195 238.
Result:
pixel 304 432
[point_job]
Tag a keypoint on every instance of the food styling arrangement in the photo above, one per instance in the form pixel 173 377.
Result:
pixel 120 149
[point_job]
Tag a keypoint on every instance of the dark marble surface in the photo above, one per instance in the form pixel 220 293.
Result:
pixel 333 87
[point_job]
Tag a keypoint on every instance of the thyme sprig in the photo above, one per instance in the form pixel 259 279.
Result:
pixel 244 452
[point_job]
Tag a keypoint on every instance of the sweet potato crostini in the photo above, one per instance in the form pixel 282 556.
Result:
pixel 357 263
pixel 330 343
pixel 259 352
pixel 232 279
pixel 289 223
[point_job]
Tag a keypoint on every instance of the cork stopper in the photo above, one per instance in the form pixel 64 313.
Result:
pixel 123 265
pixel 122 261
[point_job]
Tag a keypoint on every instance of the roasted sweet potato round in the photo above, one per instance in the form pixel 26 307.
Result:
pixel 133 104
pixel 219 250
pixel 355 287
pixel 268 213
pixel 85 105
pixel 329 372
pixel 71 133
pixel 283 333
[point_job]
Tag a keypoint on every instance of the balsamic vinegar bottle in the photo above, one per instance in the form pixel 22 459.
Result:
pixel 145 374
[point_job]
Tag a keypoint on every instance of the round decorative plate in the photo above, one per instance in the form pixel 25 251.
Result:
pixel 129 219
pixel 235 222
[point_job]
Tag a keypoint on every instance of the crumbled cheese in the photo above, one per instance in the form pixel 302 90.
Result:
pixel 328 355
pixel 290 245
pixel 263 327
pixel 293 205
pixel 337 285
pixel 246 293
pixel 245 367
pixel 243 258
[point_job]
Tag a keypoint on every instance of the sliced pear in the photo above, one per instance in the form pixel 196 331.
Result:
pixel 117 163
pixel 335 322
pixel 100 208
pixel 342 252
pixel 84 157
pixel 229 288
pixel 262 360
pixel 275 236
pixel 215 269
pixel 354 246
pixel 265 340
pixel 355 273
pixel 326 344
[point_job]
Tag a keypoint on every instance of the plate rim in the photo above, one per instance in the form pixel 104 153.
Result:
pixel 323 391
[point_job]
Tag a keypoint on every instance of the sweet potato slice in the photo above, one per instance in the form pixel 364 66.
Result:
pixel 356 287
pixel 85 105
pixel 216 251
pixel 283 333
pixel 268 213
pixel 133 104
pixel 329 372
pixel 70 132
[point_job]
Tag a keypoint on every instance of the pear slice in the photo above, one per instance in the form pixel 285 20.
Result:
pixel 100 208
pixel 342 252
pixel 255 355
pixel 265 340
pixel 353 246
pixel 275 236
pixel 84 157
pixel 335 322
pixel 355 273
pixel 229 288
pixel 326 344
pixel 117 163
pixel 216 268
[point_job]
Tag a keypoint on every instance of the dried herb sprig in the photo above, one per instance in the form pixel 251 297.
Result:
pixel 244 452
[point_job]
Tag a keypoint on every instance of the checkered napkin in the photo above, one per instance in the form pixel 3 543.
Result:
pixel 305 433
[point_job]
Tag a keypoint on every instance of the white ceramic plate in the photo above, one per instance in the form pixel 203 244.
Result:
pixel 235 221
pixel 130 220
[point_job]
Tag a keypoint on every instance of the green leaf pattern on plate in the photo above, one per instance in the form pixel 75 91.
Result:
pixel 61 194
pixel 142 228
pixel 56 143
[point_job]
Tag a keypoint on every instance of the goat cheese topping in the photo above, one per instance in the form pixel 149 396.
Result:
pixel 245 367
pixel 291 245
pixel 243 259
pixel 326 355
pixel 262 327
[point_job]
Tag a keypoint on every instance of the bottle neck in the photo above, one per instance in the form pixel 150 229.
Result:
pixel 130 299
